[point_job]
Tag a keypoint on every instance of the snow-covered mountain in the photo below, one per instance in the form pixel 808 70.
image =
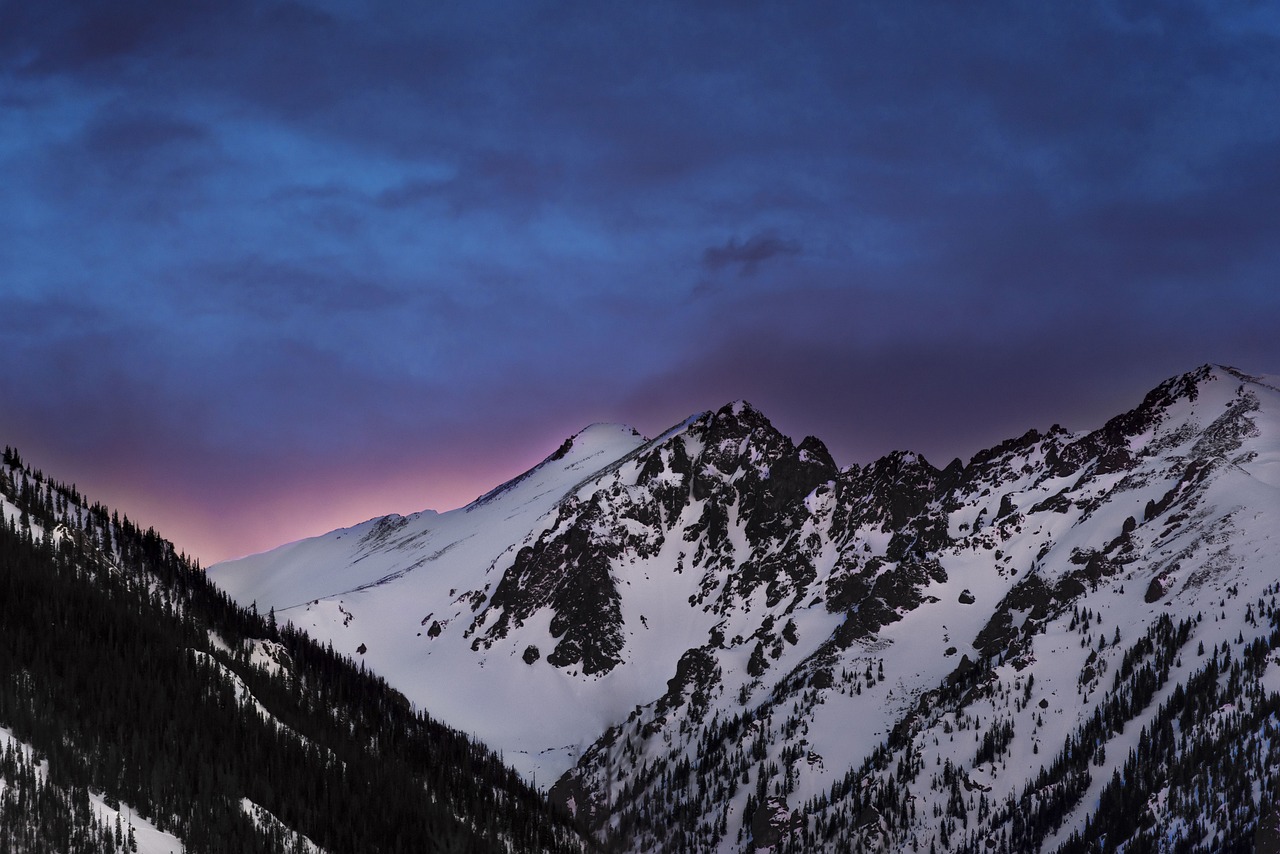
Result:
pixel 717 640
pixel 142 711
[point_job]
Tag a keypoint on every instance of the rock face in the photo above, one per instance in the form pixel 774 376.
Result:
pixel 966 658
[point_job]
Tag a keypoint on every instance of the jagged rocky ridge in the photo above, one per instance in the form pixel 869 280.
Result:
pixel 717 640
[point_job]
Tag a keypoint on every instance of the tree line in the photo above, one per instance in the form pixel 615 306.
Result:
pixel 114 666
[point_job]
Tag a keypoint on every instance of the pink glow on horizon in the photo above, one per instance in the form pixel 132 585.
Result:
pixel 231 514
pixel 215 506
pixel 306 507
pixel 283 517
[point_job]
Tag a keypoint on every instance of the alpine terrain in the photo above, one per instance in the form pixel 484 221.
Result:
pixel 141 710
pixel 718 640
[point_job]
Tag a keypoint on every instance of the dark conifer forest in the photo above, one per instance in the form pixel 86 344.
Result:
pixel 134 679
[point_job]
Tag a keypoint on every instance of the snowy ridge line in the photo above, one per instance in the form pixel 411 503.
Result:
pixel 265 820
pixel 509 485
pixel 386 579
pixel 647 447
pixel 731 659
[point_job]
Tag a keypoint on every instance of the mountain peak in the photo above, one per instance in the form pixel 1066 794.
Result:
pixel 738 419
pixel 1188 386
pixel 593 436
pixel 602 442
pixel 742 411
pixel 789 598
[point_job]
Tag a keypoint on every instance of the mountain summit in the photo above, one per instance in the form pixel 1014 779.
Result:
pixel 718 640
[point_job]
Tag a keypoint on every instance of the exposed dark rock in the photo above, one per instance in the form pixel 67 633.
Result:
pixel 1057 503
pixel 845 587
pixel 773 820
pixel 695 672
pixel 570 572
pixel 789 633
pixel 1029 594
pixel 563 451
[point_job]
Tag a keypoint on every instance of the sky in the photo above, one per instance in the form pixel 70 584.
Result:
pixel 272 268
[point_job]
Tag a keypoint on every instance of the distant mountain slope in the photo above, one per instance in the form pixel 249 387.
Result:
pixel 719 641
pixel 140 709
pixel 400 593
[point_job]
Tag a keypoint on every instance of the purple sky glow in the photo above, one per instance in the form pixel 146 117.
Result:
pixel 269 268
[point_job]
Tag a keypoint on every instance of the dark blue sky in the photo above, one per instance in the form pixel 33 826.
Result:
pixel 268 268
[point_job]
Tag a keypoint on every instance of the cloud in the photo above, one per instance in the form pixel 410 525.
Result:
pixel 411 193
pixel 141 132
pixel 749 254
pixel 426 224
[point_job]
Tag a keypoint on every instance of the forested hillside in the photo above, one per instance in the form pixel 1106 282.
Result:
pixel 133 681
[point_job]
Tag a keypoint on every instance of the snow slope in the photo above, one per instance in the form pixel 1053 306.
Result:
pixel 718 640
pixel 149 839
pixel 403 589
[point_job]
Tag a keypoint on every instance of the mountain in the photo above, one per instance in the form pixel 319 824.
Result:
pixel 718 640
pixel 142 710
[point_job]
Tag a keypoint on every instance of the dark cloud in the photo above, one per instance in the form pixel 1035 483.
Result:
pixel 251 242
pixel 272 290
pixel 75 36
pixel 411 193
pixel 747 255
pixel 140 134
pixel 148 149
